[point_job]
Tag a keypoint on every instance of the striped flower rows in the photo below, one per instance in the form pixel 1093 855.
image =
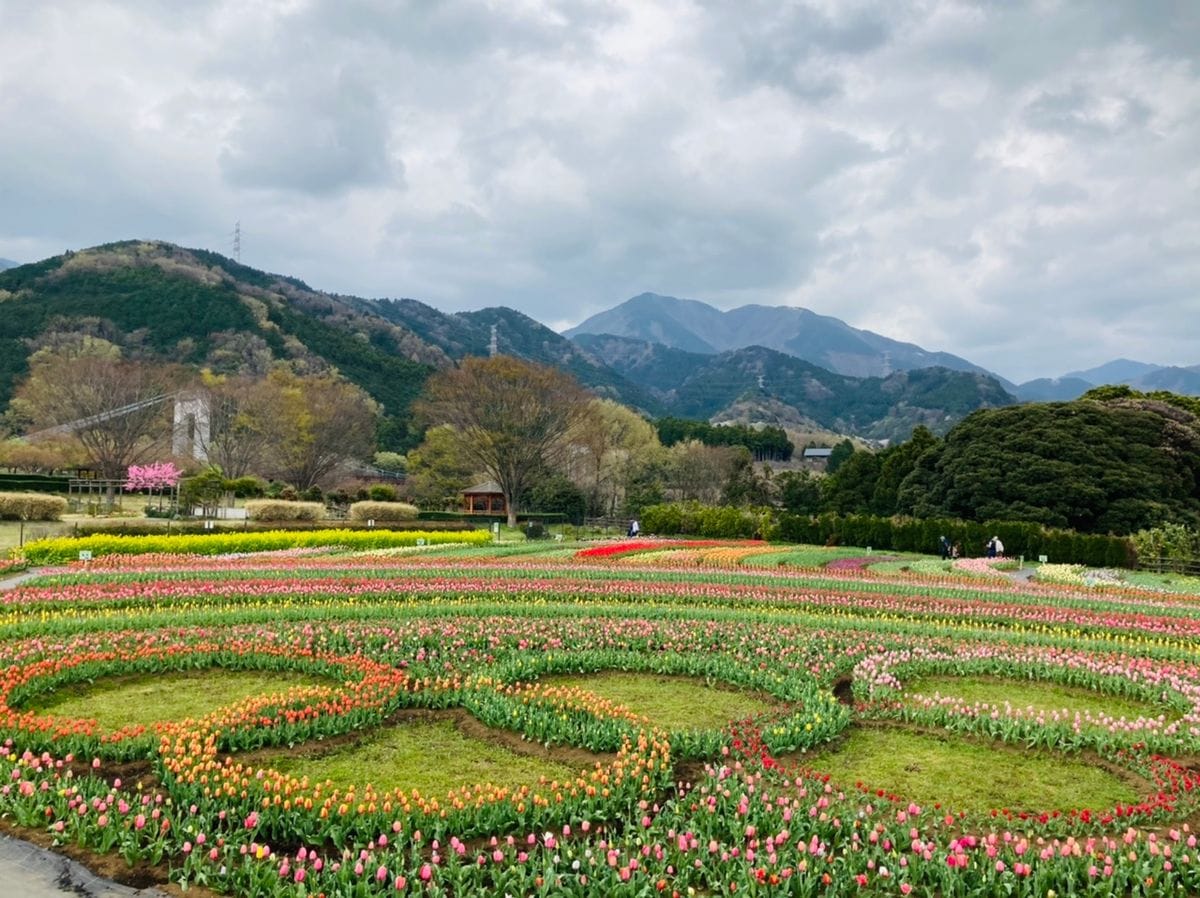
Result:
pixel 727 811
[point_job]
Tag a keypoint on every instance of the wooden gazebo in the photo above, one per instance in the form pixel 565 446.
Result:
pixel 484 498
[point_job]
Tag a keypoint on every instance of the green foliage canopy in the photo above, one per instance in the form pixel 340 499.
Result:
pixel 1092 466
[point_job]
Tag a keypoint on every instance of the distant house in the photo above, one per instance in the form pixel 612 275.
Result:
pixel 484 498
pixel 817 454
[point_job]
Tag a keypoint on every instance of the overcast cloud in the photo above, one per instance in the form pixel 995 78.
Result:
pixel 1017 183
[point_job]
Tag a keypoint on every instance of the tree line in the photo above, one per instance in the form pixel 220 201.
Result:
pixel 1115 461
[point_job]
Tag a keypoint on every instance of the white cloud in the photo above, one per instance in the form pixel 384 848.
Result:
pixel 1016 183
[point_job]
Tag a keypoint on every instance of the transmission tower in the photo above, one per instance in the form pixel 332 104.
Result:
pixel 237 241
pixel 494 343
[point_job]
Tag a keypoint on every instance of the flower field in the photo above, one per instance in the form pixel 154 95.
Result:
pixel 1063 681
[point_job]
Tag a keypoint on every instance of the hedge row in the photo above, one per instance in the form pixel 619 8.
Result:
pixel 35 483
pixel 549 517
pixel 894 534
pixel 56 551
pixel 283 510
pixel 31 507
pixel 383 511
pixel 713 521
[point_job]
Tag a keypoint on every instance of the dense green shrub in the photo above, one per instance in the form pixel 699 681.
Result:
pixel 895 534
pixel 383 511
pixel 246 487
pixel 31 507
pixel 381 492
pixel 715 521
pixel 34 483
pixel 535 530
pixel 1171 545
pixel 283 510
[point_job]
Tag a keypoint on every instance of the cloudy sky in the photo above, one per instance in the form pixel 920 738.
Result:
pixel 1017 183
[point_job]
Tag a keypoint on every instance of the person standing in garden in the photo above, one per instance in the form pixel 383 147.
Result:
pixel 634 529
pixel 943 547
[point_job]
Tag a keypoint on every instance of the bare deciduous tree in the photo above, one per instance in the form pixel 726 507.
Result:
pixel 321 421
pixel 511 417
pixel 113 407
pixel 240 414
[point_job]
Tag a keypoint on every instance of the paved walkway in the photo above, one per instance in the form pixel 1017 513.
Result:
pixel 31 872
pixel 17 579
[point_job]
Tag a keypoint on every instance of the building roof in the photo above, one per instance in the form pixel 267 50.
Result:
pixel 487 487
pixel 817 453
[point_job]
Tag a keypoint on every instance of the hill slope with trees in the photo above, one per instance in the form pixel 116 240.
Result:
pixel 158 302
pixel 696 385
pixel 1115 461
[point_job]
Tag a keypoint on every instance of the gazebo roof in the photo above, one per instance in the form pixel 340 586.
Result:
pixel 486 488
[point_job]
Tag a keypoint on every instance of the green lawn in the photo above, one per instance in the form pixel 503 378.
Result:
pixel 121 701
pixel 967 776
pixel 10 532
pixel 1169 582
pixel 674 703
pixel 1041 695
pixel 431 756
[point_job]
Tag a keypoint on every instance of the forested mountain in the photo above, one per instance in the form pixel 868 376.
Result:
pixel 695 385
pixel 819 339
pixel 471 333
pixel 159 301
pixel 1053 389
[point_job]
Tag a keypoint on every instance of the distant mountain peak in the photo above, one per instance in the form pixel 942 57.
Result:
pixel 823 340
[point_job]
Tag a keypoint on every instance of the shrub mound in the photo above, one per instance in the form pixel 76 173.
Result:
pixel 282 510
pixel 31 507
pixel 383 511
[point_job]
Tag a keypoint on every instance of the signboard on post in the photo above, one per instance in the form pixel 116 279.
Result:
pixel 85 555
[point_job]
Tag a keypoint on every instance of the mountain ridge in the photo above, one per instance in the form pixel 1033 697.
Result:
pixel 823 340
pixel 712 386
pixel 156 300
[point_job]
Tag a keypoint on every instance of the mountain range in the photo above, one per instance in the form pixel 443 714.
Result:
pixel 7 263
pixel 1139 375
pixel 696 327
pixel 679 357
pixel 825 341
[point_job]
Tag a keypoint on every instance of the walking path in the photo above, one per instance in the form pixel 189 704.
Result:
pixel 32 872
pixel 17 579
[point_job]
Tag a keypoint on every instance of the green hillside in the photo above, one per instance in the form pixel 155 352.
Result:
pixel 156 300
pixel 1094 465
pixel 704 386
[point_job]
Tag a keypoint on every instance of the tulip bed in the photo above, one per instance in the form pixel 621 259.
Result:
pixel 509 637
